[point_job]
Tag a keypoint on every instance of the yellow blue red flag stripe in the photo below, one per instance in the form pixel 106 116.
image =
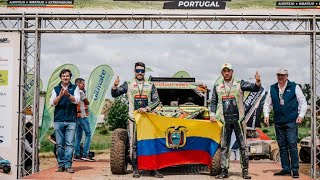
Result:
pixel 165 141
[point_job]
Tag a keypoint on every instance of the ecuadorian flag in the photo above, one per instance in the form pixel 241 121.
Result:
pixel 164 141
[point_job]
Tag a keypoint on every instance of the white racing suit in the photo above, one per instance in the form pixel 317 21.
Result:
pixel 227 107
pixel 138 97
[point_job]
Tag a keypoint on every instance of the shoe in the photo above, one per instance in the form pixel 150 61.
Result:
pixel 69 170
pixel 136 174
pixel 282 173
pixel 157 174
pixel 295 174
pixel 245 174
pixel 223 174
pixel 60 169
pixel 77 158
pixel 88 159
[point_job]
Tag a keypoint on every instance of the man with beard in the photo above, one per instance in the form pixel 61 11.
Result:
pixel 65 98
pixel 143 97
pixel 227 107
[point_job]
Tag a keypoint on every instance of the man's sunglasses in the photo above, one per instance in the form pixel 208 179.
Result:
pixel 140 70
pixel 281 74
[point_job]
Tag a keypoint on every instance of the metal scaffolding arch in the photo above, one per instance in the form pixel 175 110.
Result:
pixel 31 26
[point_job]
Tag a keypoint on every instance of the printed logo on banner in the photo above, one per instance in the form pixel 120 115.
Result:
pixel 2 93
pixel 42 3
pixel 3 77
pixel 298 4
pixel 4 40
pixel 2 59
pixel 190 4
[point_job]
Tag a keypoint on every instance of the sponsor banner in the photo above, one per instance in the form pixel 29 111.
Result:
pixel 173 141
pixel 9 103
pixel 253 108
pixel 298 5
pixel 48 110
pixel 195 4
pixel 98 86
pixel 41 3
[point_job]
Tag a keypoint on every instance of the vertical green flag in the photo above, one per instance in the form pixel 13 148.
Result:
pixel 48 110
pixel 30 89
pixel 98 86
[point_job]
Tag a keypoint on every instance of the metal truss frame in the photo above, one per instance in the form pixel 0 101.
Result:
pixel 31 26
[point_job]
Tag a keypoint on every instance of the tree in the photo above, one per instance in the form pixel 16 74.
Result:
pixel 306 90
pixel 118 114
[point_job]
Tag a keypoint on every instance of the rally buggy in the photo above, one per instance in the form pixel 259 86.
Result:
pixel 5 165
pixel 180 98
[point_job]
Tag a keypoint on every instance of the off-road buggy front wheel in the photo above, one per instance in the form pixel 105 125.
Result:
pixel 6 169
pixel 216 163
pixel 304 156
pixel 275 155
pixel 119 151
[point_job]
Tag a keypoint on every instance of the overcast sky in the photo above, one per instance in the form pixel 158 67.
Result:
pixel 200 55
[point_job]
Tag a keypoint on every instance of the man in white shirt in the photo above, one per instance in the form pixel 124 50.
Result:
pixel 65 98
pixel 289 106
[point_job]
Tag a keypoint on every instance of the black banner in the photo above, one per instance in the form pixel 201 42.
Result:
pixel 195 4
pixel 40 3
pixel 253 107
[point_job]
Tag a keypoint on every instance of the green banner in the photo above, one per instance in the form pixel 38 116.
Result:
pixel 30 89
pixel 98 86
pixel 181 74
pixel 48 110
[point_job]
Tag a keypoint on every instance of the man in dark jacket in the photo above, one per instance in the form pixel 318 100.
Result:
pixel 65 98
pixel 289 106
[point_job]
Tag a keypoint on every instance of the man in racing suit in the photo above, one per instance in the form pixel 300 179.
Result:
pixel 143 97
pixel 227 107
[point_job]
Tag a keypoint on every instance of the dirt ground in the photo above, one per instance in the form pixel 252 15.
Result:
pixel 47 161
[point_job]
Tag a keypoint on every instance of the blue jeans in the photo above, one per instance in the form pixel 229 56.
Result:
pixel 83 125
pixel 287 137
pixel 65 132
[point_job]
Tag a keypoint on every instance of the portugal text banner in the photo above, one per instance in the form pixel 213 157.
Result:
pixel 165 141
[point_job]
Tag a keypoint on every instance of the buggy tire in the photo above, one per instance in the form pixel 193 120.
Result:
pixel 118 151
pixel 304 156
pixel 216 163
pixel 6 169
pixel 275 155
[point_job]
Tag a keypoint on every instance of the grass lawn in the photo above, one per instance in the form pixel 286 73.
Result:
pixel 303 132
pixel 99 141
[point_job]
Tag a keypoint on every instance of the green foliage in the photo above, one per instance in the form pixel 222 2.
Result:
pixel 118 114
pixel 46 145
pixel 100 140
pixel 306 90
pixel 104 130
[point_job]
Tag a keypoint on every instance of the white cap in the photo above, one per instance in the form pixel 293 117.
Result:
pixel 226 65
pixel 282 71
